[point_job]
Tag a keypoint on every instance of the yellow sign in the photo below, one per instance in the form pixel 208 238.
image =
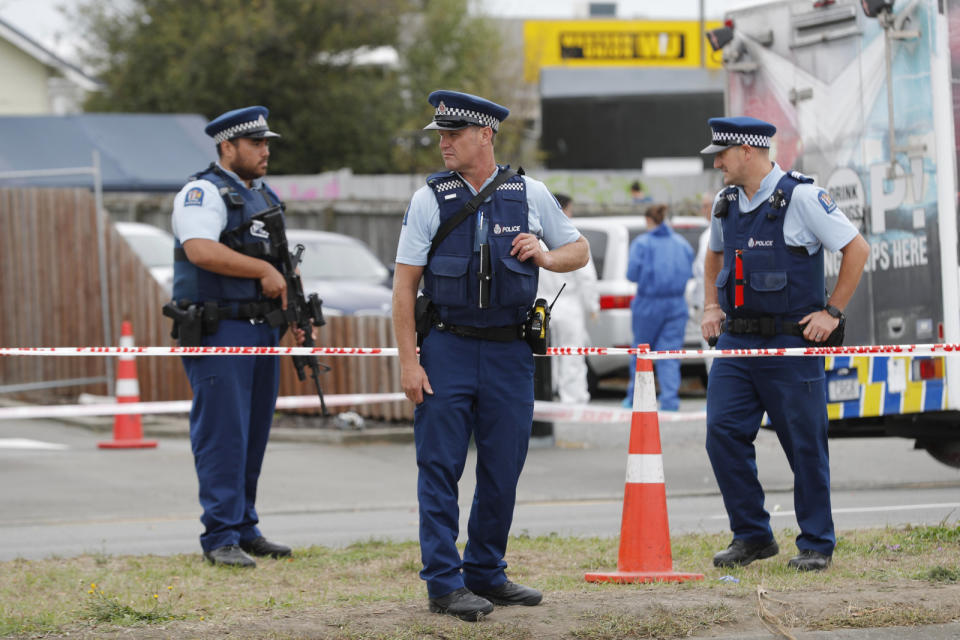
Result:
pixel 607 43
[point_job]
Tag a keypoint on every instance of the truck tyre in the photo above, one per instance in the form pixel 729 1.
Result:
pixel 945 451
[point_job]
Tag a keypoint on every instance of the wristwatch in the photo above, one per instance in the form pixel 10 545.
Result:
pixel 833 311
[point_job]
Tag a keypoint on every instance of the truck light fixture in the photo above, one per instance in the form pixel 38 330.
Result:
pixel 926 369
pixel 719 38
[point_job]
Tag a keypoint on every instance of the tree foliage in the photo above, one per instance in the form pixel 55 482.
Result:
pixel 455 50
pixel 298 58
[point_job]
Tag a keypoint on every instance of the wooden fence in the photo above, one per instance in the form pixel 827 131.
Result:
pixel 51 296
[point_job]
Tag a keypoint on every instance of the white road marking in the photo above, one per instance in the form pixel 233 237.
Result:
pixel 24 443
pixel 892 507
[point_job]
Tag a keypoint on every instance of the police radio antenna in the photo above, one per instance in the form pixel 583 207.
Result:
pixel 557 296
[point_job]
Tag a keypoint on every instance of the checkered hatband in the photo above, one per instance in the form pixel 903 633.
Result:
pixel 448 185
pixel 730 138
pixel 448 114
pixel 260 124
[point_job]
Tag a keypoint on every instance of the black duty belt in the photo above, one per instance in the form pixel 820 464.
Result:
pixel 764 325
pixel 246 310
pixel 213 311
pixel 497 334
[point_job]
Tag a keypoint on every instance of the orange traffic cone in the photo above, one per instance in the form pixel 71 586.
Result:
pixel 127 430
pixel 644 532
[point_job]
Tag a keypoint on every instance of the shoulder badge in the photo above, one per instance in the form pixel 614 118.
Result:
pixel 194 197
pixel 826 202
pixel 799 177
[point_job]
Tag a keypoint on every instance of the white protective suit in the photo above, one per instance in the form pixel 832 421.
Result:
pixel 696 301
pixel 568 328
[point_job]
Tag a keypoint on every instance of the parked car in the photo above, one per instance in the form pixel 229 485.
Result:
pixel 154 247
pixel 344 272
pixel 610 238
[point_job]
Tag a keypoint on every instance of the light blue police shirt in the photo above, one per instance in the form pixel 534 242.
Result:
pixel 422 219
pixel 203 214
pixel 809 221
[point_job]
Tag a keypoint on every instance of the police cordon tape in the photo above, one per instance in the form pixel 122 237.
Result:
pixel 943 349
pixel 183 406
pixel 542 410
pixel 547 411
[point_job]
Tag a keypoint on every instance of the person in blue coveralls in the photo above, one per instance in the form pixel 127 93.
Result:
pixel 768 233
pixel 227 283
pixel 661 263
pixel 474 375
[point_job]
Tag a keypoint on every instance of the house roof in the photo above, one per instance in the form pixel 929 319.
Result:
pixel 37 51
pixel 138 152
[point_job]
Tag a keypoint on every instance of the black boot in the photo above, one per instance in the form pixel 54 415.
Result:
pixel 740 553
pixel 809 560
pixel 229 555
pixel 463 604
pixel 511 593
pixel 263 547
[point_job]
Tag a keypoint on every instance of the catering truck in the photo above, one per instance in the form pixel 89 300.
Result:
pixel 864 95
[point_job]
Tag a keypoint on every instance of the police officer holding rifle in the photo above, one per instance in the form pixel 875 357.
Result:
pixel 235 285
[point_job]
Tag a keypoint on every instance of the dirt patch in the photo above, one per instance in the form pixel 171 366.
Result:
pixel 616 611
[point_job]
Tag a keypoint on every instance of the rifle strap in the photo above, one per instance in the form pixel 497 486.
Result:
pixel 468 209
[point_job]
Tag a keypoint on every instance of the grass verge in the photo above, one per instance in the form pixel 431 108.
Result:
pixel 371 590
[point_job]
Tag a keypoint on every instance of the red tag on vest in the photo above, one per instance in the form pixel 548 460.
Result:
pixel 738 280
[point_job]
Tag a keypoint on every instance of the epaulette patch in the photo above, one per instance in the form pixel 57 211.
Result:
pixel 799 177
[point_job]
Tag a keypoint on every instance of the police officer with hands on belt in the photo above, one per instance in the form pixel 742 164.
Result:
pixel 225 283
pixel 768 232
pixel 475 370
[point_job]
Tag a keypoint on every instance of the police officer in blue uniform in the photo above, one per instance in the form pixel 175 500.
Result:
pixel 474 375
pixel 226 284
pixel 661 263
pixel 768 232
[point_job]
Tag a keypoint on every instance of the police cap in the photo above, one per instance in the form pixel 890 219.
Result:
pixel 728 132
pixel 456 110
pixel 248 122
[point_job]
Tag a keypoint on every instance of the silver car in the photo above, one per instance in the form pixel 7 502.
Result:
pixel 610 238
pixel 344 272
pixel 154 247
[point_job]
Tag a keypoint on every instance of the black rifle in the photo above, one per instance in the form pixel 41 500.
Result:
pixel 305 312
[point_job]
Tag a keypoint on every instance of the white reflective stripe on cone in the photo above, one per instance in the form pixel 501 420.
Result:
pixel 127 388
pixel 644 390
pixel 645 468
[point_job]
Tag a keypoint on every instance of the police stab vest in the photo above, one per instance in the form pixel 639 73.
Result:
pixel 450 277
pixel 199 285
pixel 761 276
